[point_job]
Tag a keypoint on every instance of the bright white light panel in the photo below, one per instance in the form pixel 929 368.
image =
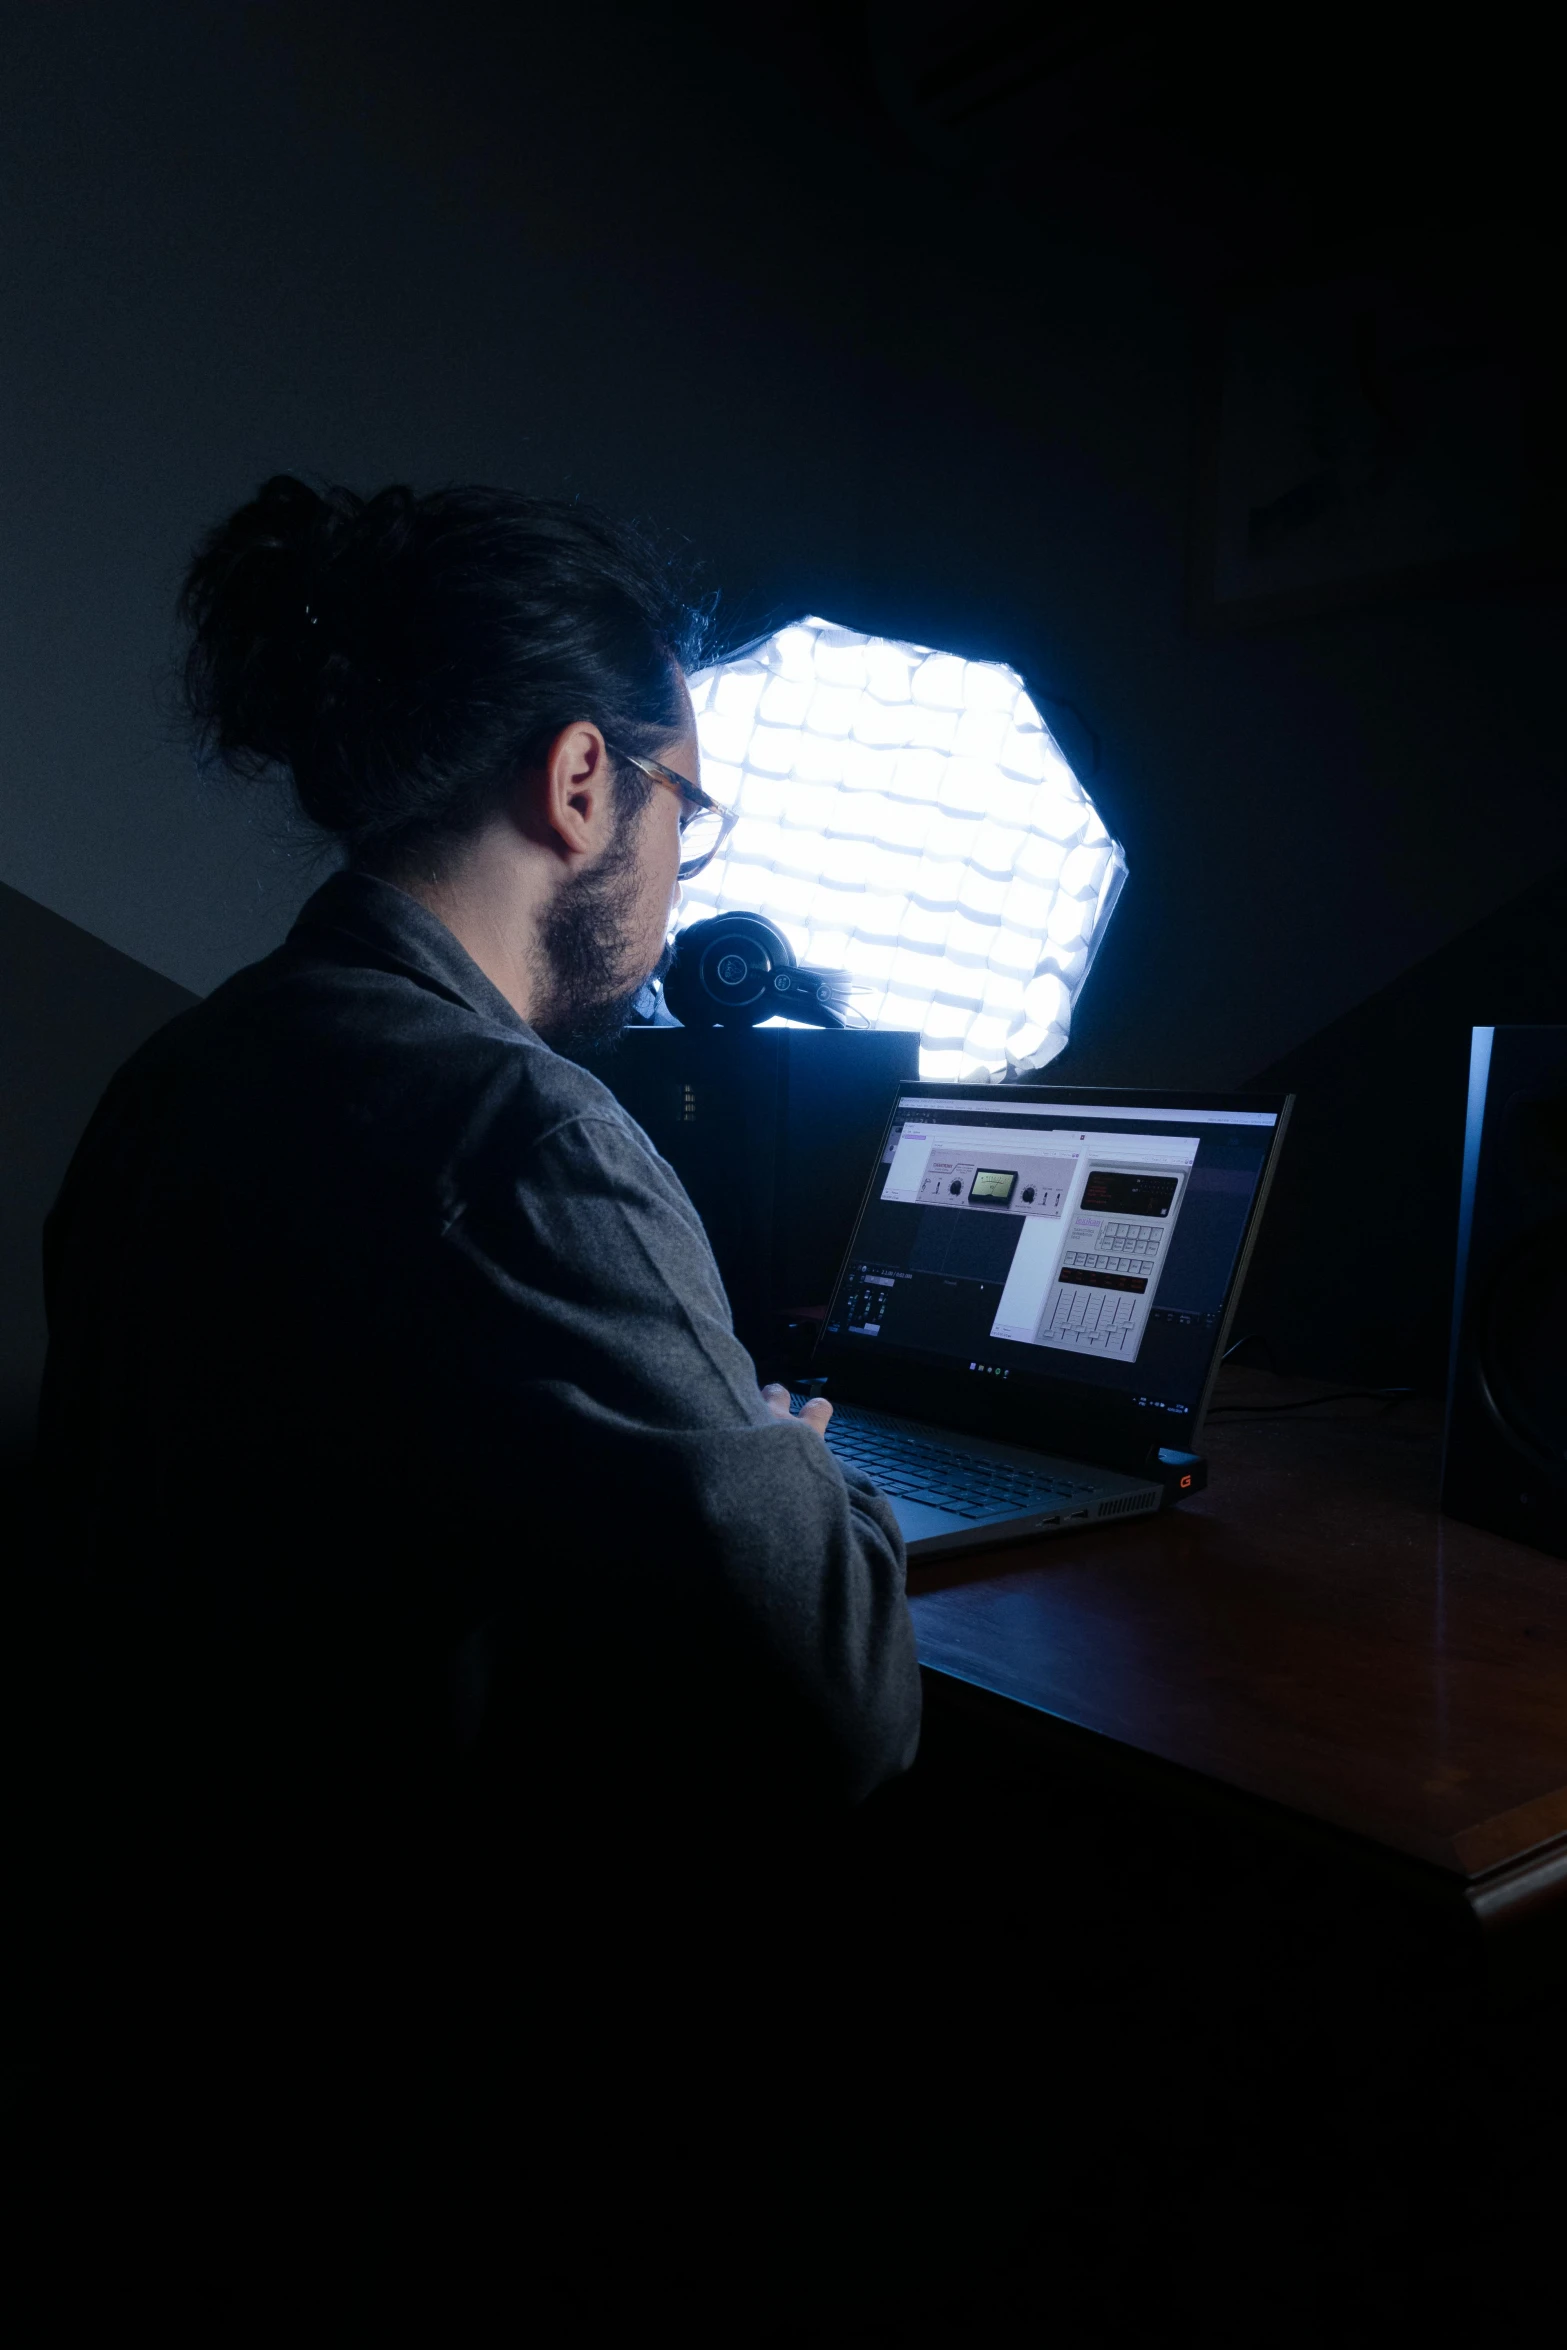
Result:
pixel 906 816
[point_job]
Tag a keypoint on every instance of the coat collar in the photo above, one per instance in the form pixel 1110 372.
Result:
pixel 405 936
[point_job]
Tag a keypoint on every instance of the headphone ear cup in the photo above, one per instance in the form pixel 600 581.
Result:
pixel 723 970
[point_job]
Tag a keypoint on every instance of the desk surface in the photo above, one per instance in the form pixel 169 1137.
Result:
pixel 1309 1631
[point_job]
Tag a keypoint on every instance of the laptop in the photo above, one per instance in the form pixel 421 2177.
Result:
pixel 1036 1299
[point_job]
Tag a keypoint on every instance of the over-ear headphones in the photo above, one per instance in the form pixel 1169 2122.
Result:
pixel 734 970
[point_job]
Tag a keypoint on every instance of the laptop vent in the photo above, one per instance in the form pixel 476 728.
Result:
pixel 1122 1508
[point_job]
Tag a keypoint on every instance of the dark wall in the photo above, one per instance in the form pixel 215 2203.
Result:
pixel 637 252
pixel 71 1010
pixel 683 266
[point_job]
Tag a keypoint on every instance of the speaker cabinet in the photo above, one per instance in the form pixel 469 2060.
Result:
pixel 772 1131
pixel 1505 1461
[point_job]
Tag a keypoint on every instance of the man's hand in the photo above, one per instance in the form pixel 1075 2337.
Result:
pixel 815 1414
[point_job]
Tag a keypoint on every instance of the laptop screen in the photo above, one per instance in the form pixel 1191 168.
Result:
pixel 1092 1240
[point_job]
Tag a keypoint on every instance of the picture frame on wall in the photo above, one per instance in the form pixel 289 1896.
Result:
pixel 1372 433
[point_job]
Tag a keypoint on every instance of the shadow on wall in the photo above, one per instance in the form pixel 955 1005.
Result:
pixel 71 1010
pixel 1353 1275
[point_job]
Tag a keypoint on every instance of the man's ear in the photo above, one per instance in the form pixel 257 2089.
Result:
pixel 578 790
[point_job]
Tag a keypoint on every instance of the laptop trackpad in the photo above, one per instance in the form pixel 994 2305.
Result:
pixel 919 1521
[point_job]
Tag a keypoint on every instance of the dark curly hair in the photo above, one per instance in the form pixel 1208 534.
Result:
pixel 401 656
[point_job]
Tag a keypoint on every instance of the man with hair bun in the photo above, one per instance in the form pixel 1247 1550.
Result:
pixel 437 1579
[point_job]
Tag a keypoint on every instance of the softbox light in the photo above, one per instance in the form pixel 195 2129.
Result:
pixel 907 816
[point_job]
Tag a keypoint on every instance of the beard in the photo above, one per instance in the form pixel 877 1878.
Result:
pixel 590 981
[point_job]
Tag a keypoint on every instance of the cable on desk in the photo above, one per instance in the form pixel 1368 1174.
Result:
pixel 1305 1403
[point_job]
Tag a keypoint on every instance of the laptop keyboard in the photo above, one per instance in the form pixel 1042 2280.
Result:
pixel 914 1467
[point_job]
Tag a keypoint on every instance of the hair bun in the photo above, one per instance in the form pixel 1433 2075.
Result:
pixel 263 602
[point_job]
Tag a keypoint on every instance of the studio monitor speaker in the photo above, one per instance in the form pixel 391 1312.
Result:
pixel 1505 1461
pixel 773 1132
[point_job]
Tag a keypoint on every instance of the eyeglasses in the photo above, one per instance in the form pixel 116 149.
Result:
pixel 704 825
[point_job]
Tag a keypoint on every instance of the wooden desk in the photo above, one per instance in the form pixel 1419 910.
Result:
pixel 1309 1632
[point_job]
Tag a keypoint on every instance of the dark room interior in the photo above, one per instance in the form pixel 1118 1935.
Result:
pixel 925 320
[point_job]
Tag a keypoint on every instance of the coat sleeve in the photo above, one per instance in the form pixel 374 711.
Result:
pixel 723 1568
